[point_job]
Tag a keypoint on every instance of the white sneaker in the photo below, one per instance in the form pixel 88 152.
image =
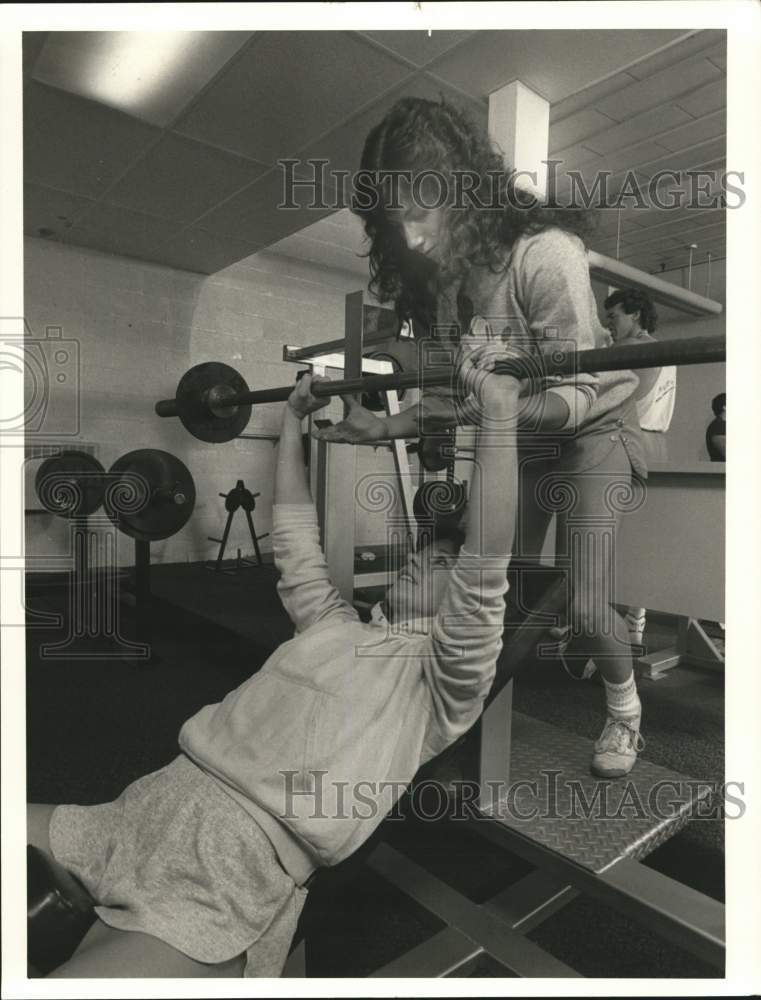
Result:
pixel 617 748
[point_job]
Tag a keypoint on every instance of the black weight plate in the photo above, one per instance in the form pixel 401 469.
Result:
pixel 139 490
pixel 70 484
pixel 434 451
pixel 194 413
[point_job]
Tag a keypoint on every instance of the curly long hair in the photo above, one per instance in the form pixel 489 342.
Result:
pixel 419 135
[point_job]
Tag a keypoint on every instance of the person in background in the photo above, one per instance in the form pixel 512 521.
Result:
pixel 716 433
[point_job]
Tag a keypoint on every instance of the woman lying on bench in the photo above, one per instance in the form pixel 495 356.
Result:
pixel 200 868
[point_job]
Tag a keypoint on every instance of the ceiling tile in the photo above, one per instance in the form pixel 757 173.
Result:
pixel 49 213
pixel 541 60
pixel 204 252
pixel 418 46
pixel 699 42
pixel 31 46
pixel 701 155
pixel 629 158
pixel 343 147
pixel 718 57
pixel 337 241
pixel 119 231
pixel 209 176
pixel 75 145
pixel 712 97
pixel 254 215
pixel 681 239
pixel 655 220
pixel 156 182
pixel 637 128
pixel 607 222
pixel 678 227
pixel 712 126
pixel 573 157
pixel 666 85
pixel 607 246
pixel 340 258
pixel 589 96
pixel 287 89
pixel 575 128
pixel 149 75
pixel 693 198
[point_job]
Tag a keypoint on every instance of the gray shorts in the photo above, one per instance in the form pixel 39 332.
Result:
pixel 177 858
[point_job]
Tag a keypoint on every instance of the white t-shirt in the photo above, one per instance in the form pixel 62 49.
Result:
pixel 656 409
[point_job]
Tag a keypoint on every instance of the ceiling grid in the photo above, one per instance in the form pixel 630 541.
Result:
pixel 201 191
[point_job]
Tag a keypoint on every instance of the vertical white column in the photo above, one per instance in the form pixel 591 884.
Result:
pixel 519 122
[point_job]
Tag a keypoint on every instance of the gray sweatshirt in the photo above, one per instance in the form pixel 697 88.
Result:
pixel 543 300
pixel 320 743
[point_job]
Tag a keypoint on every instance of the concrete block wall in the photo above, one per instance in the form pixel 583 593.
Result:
pixel 138 327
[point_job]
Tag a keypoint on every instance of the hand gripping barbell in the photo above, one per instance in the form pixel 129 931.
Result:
pixel 214 402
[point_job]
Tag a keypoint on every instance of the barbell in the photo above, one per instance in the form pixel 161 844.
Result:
pixel 214 402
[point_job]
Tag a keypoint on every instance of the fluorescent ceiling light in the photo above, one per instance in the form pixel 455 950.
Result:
pixel 150 75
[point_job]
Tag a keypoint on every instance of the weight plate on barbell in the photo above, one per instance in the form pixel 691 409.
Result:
pixel 436 451
pixel 70 484
pixel 195 413
pixel 150 494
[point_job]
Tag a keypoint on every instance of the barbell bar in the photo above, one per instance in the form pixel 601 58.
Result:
pixel 214 402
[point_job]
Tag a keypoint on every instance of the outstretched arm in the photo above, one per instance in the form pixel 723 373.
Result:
pixel 546 410
pixel 304 587
pixel 291 483
pixel 466 637
pixel 493 495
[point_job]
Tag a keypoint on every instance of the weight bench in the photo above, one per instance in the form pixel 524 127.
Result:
pixel 60 911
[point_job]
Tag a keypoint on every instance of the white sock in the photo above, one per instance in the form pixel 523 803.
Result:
pixel 636 619
pixel 622 699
